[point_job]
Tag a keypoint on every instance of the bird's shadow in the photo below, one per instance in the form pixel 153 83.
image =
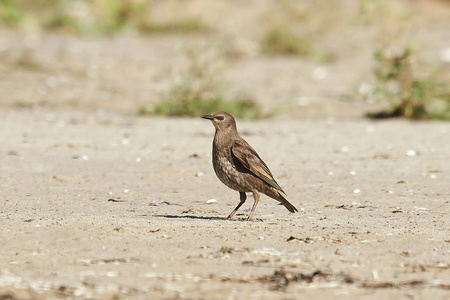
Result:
pixel 204 218
pixel 188 217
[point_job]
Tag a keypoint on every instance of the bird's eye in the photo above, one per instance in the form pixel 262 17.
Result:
pixel 220 118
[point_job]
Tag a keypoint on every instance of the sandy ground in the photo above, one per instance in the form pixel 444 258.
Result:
pixel 99 203
pixel 83 214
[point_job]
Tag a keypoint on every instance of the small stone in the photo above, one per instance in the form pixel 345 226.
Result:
pixel 444 55
pixel 365 88
pixel 319 73
pixel 303 101
pixel 211 201
pixel 82 157
pixel 411 152
pixel 158 202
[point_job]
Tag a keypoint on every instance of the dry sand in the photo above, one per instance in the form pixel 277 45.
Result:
pixel 104 206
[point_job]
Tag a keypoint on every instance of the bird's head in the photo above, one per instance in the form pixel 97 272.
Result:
pixel 221 121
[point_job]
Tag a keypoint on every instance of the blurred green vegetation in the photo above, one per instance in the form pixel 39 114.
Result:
pixel 411 96
pixel 294 28
pixel 281 39
pixel 90 17
pixel 200 90
pixel 300 28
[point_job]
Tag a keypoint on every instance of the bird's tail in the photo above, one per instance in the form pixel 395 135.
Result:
pixel 282 197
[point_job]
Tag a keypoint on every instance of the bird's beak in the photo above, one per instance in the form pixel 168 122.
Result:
pixel 208 117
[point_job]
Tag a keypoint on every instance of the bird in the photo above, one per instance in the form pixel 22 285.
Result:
pixel 239 166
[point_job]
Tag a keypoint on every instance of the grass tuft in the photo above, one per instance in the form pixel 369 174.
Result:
pixel 199 90
pixel 411 97
pixel 93 17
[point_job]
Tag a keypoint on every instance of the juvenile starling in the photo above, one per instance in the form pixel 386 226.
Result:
pixel 239 167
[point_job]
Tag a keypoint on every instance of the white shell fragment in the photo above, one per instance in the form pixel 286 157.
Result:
pixel 157 202
pixel 82 157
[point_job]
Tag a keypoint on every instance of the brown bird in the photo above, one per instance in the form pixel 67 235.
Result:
pixel 239 167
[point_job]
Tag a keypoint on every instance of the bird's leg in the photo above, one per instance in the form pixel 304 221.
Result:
pixel 256 198
pixel 243 197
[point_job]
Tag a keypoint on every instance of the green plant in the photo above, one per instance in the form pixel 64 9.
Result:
pixel 296 28
pixel 10 14
pixel 410 97
pixel 190 25
pixel 200 90
pixel 91 17
pixel 96 16
pixel 283 40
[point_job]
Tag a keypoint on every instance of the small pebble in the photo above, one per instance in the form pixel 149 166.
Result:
pixel 211 201
pixel 157 202
pixel 356 191
pixel 83 157
pixel 365 89
pixel 319 73
pixel 411 152
pixel 421 208
pixel 303 101
pixel 375 274
pixel 444 55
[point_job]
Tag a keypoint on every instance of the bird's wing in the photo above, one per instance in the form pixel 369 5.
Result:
pixel 248 157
